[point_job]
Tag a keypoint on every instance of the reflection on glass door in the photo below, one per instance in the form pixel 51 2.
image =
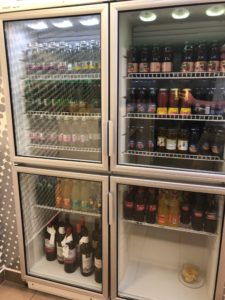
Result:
pixel 62 225
pixel 54 68
pixel 171 88
pixel 168 243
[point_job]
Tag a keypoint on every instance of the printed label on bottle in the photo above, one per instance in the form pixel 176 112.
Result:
pixel 185 111
pixel 161 219
pixel 60 253
pixel 140 145
pixel 66 138
pixel 141 107
pixel 131 144
pixel 222 66
pixel 58 202
pixel 70 67
pixel 217 149
pixel 130 107
pixel 60 137
pixel 132 67
pixel 67 203
pixel 174 219
pixel 211 216
pixel 185 208
pixel 129 204
pixel 69 255
pixel 167 66
pixel 98 263
pixel 182 145
pixel 151 108
pixel 187 66
pixel 198 214
pixel 200 66
pixel 140 207
pixel 155 67
pixel 49 246
pixel 161 141
pixel 87 263
pixel 144 67
pixel 151 145
pixel 193 148
pixel 171 144
pixel 213 66
pixel 152 207
pixel 207 110
pixel 205 146
pixel 75 204
pixel 162 110
pixel 173 110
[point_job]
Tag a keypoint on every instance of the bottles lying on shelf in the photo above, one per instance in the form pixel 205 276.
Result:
pixel 203 57
pixel 195 140
pixel 171 208
pixel 74 248
pixel 62 57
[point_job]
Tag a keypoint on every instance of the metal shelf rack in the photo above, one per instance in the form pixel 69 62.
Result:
pixel 64 148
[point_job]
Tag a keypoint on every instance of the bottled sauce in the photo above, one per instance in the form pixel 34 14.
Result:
pixel 152 101
pixel 193 146
pixel 144 60
pixel 95 236
pixel 185 211
pixel 50 242
pixel 151 208
pixel 171 140
pixel 131 143
pixel 183 138
pixel 167 65
pixel 76 195
pixel 204 142
pixel 142 101
pixel 201 61
pixel 163 209
pixel 188 58
pixel 186 104
pixel 150 138
pixel 155 64
pixel 59 194
pixel 132 60
pixel 128 204
pixel 86 254
pixel 217 145
pixel 174 209
pixel 161 139
pixel 69 251
pixel 59 238
pixel 162 102
pixel 211 216
pixel 98 263
pixel 222 58
pixel 140 139
pixel 173 101
pixel 197 218
pixel 139 206
pixel 132 101
pixel 67 194
pixel 214 58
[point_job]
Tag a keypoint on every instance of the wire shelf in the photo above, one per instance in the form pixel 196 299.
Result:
pixel 64 114
pixel 86 213
pixel 64 148
pixel 214 118
pixel 177 75
pixel 174 155
pixel 88 76
pixel 178 228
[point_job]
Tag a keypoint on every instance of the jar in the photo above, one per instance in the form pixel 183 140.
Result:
pixel 173 102
pixel 186 103
pixel 162 102
pixel 183 141
pixel 171 140
pixel 161 139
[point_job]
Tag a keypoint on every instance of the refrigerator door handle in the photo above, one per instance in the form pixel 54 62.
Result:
pixel 111 209
pixel 111 137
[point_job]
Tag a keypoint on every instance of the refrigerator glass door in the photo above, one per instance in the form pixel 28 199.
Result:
pixel 168 240
pixel 171 98
pixel 55 67
pixel 63 228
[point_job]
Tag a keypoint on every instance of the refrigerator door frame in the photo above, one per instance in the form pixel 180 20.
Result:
pixel 149 172
pixel 113 222
pixel 105 236
pixel 64 163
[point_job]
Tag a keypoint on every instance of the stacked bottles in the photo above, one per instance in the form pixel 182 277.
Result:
pixel 62 57
pixel 74 248
pixel 171 208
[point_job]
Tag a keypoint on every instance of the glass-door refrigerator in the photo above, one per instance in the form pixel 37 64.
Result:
pixel 55 66
pixel 168 96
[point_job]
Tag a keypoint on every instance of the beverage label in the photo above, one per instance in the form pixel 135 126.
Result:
pixel 152 207
pixel 41 136
pixel 185 208
pixel 172 110
pixel 207 110
pixel 222 66
pixel 205 146
pixel 151 145
pixel 69 254
pixel 92 65
pixel 132 68
pixel 144 67
pixel 198 214
pixel 141 107
pixel 58 202
pixel 70 67
pixel 74 137
pixel 131 144
pixel 151 108
pixel 67 203
pixel 174 219
pixel 213 66
pixel 193 149
pixel 171 144
pixel 66 138
pixel 130 107
pixel 187 66
pixel 98 263
pixel 167 66
pixel 185 111
pixel 217 149
pixel 200 66
pixel 140 145
pixel 182 145
pixel 60 137
pixel 86 263
pixel 161 141
pixel 139 207
pixel 49 247
pixel 155 67
pixel 75 204
pixel 60 253
pixel 129 204
pixel 161 219
pixel 211 216
pixel 162 110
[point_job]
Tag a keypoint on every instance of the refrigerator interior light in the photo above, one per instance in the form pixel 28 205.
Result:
pixel 38 25
pixel 147 16
pixel 63 24
pixel 180 13
pixel 215 10
pixel 89 21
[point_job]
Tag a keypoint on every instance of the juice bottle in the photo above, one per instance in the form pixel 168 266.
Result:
pixel 163 209
pixel 67 194
pixel 174 209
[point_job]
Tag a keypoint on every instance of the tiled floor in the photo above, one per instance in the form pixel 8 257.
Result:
pixel 14 291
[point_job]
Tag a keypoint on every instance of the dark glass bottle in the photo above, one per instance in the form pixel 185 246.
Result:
pixel 151 207
pixel 140 139
pixel 95 235
pixel 69 251
pixel 193 146
pixel 132 60
pixel 151 138
pixel 188 58
pixel 197 218
pixel 131 101
pixel 128 204
pixel 78 237
pixel 50 242
pixel 211 216
pixel 139 207
pixel 98 263
pixel 142 101
pixel 185 211
pixel 204 143
pixel 214 58
pixel 59 238
pixel 86 255
pixel 152 100
pixel 131 137
pixel 144 60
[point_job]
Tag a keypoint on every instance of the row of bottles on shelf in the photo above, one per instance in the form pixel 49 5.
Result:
pixel 74 247
pixel 194 140
pixel 63 96
pixel 174 101
pixel 65 131
pixel 195 58
pixel 172 208
pixel 74 194
pixel 62 57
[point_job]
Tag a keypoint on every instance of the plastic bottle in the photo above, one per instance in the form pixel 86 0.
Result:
pixel 76 195
pixel 67 186
pixel 59 194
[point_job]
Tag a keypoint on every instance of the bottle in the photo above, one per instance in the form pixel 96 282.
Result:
pixel 163 208
pixel 131 137
pixel 152 101
pixel 201 62
pixel 128 204
pixel 86 254
pixel 76 195
pixel 84 195
pixel 155 64
pixel 144 60
pixel 188 58
pixel 59 193
pixel 214 58
pixel 185 108
pixel 197 218
pixel 98 263
pixel 132 60
pixel 95 236
pixel 131 101
pixel 67 185
pixel 167 65
pixel 211 216
pixel 50 242
pixel 142 101
pixel 193 145
pixel 204 142
pixel 140 139
pixel 92 198
pixel 173 102
pixel 182 143
pixel 78 237
pixel 69 251
pixel 222 58
pixel 151 138
pixel 171 140
pixel 67 132
pixel 174 209
pixel 161 139
pixel 59 238
pixel 151 208
pixel 162 102
pixel 84 229
pixel 185 211
pixel 139 206
pixel 217 145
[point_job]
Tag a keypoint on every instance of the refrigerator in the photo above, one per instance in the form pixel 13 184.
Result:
pixel 142 218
